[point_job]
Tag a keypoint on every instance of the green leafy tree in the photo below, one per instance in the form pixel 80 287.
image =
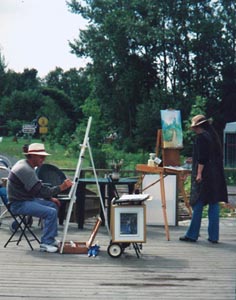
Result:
pixel 61 99
pixel 2 74
pixel 27 80
pixel 20 108
pixel 198 108
pixel 142 48
pixel 121 75
pixel 74 84
pixel 21 105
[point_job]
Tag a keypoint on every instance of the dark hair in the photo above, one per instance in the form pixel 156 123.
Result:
pixel 215 137
pixel 25 148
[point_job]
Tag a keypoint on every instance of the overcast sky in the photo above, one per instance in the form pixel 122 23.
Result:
pixel 35 34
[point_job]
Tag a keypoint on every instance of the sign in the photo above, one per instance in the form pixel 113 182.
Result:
pixel 43 130
pixel 43 121
pixel 28 128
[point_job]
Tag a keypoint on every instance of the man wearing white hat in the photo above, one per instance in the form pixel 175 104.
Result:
pixel 29 196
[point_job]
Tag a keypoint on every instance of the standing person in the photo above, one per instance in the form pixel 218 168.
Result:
pixel 29 196
pixel 208 186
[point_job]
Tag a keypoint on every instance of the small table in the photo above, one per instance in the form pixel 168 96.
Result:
pixel 111 192
pixel 164 171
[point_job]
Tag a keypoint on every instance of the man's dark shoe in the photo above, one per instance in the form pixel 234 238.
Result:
pixel 213 242
pixel 186 239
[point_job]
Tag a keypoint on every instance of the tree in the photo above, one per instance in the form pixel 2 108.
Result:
pixel 2 74
pixel 20 108
pixel 75 86
pixel 21 105
pixel 228 88
pixel 140 48
pixel 60 99
pixel 121 75
pixel 27 80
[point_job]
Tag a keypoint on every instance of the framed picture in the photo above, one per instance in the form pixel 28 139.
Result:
pixel 128 223
pixel 172 134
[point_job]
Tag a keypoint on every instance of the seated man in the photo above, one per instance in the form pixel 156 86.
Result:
pixel 29 196
pixel 3 193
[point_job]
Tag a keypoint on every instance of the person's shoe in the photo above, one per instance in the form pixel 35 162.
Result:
pixel 213 242
pixel 48 248
pixel 56 243
pixel 186 239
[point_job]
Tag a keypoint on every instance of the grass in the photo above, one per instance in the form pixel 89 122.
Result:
pixel 224 211
pixel 58 156
pixel 62 158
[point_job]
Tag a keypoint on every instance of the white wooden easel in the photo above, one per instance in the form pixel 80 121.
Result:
pixel 72 194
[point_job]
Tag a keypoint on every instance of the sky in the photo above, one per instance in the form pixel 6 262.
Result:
pixel 36 34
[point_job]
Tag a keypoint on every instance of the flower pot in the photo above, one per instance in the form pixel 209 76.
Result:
pixel 115 175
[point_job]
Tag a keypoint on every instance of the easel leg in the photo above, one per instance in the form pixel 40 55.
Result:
pixel 103 195
pixel 163 202
pixel 98 188
pixel 80 204
pixel 183 193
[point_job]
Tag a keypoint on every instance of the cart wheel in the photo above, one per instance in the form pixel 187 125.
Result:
pixel 114 250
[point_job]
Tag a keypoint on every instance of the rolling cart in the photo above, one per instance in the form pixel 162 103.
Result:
pixel 128 224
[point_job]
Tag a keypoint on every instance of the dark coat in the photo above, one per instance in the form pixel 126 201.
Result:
pixel 212 188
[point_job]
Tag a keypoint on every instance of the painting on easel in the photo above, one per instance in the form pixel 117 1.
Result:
pixel 172 134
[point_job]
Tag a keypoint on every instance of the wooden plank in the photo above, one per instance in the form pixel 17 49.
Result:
pixel 166 270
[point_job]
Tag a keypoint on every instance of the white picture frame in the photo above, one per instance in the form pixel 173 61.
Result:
pixel 128 223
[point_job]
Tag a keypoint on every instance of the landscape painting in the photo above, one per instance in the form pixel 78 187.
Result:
pixel 172 134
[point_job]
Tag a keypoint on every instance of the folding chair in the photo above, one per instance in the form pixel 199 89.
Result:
pixel 4 171
pixel 51 175
pixel 3 211
pixel 22 226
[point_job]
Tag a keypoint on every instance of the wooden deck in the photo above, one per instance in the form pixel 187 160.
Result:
pixel 167 270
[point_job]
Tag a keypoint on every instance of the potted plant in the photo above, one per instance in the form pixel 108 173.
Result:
pixel 116 166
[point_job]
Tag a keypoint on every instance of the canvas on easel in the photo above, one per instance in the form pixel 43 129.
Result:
pixel 170 138
pixel 172 134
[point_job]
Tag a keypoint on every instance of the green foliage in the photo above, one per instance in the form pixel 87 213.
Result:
pixel 58 156
pixel 109 152
pixel 98 131
pixel 230 177
pixel 2 74
pixel 140 49
pixel 198 108
pixel 21 105
pixel 144 56
pixel 14 126
pixel 27 80
pixel 148 121
pixel 66 157
pixel 75 86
